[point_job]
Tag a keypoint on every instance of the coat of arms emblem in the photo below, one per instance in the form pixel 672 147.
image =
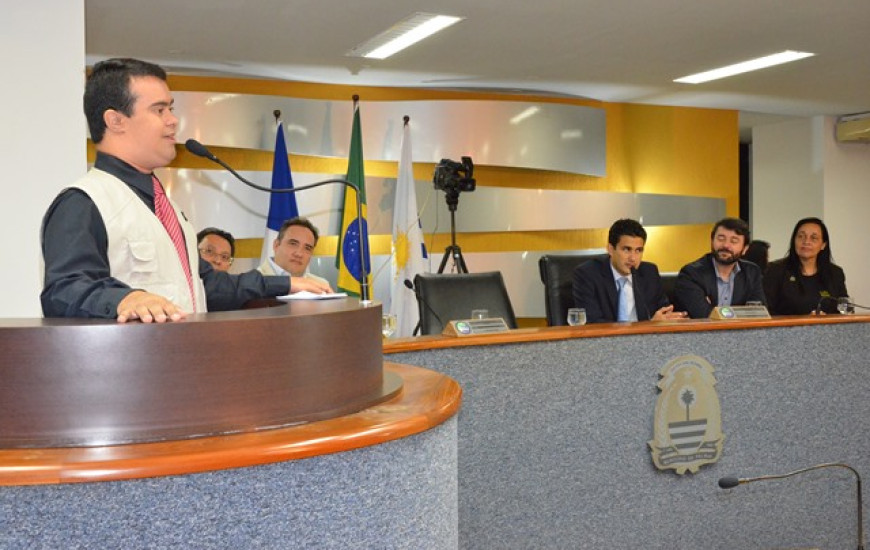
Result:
pixel 688 426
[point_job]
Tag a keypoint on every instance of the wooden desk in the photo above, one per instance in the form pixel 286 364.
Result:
pixel 555 428
pixel 599 330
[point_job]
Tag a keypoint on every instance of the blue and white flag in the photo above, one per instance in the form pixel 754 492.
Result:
pixel 282 206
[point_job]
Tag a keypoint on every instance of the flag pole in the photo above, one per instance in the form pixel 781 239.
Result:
pixel 364 296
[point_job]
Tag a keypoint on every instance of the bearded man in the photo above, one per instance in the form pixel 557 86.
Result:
pixel 720 278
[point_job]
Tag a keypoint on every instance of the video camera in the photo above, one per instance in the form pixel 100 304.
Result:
pixel 453 177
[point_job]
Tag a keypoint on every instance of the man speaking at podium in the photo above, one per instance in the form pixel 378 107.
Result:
pixel 114 245
pixel 720 278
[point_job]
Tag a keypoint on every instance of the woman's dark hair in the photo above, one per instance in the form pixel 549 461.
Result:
pixel 824 260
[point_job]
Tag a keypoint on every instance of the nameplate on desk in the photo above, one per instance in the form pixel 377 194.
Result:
pixel 470 327
pixel 739 312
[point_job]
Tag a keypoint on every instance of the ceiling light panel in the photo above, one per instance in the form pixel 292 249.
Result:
pixel 403 34
pixel 786 56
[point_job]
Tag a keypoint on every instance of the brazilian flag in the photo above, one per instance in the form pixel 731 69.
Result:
pixel 352 245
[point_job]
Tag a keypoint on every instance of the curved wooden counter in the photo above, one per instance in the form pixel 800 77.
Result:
pixel 426 400
pixel 598 330
pixel 77 382
pixel 557 426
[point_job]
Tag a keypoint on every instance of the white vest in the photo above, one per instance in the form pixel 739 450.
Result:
pixel 141 254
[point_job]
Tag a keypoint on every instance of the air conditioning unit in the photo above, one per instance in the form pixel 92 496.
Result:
pixel 854 127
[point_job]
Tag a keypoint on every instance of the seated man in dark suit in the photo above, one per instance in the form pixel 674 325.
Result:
pixel 720 278
pixel 622 287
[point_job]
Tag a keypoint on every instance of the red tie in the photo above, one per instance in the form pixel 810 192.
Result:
pixel 167 217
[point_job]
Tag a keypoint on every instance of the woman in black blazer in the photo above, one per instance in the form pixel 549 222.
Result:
pixel 806 280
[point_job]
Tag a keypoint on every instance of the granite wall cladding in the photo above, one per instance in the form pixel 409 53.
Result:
pixel 398 495
pixel 553 440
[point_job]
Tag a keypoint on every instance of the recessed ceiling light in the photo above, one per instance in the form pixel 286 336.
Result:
pixel 403 34
pixel 745 67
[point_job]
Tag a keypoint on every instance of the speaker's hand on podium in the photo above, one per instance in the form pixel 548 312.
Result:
pixel 148 307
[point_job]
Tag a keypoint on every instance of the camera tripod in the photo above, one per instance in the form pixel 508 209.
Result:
pixel 453 251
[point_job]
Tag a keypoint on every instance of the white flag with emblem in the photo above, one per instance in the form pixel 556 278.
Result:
pixel 409 252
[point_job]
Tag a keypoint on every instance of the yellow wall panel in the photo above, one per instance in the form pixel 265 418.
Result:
pixel 683 151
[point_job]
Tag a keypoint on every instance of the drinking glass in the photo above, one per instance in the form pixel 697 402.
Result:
pixel 388 324
pixel 576 316
pixel 480 314
pixel 844 305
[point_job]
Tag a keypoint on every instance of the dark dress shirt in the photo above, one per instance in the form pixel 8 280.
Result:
pixel 696 291
pixel 795 294
pixel 594 290
pixel 78 281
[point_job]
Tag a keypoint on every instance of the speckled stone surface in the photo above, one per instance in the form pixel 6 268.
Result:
pixel 553 441
pixel 400 494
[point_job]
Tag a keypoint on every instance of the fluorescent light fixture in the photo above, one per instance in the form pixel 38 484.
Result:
pixel 403 34
pixel 746 66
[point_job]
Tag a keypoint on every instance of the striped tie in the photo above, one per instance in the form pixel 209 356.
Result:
pixel 167 217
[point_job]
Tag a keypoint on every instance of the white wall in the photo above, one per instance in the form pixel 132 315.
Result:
pixel 787 179
pixel 42 145
pixel 847 208
pixel 798 170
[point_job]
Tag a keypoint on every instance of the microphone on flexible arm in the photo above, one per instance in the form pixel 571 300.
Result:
pixel 638 299
pixel 201 150
pixel 729 482
pixel 421 299
pixel 850 305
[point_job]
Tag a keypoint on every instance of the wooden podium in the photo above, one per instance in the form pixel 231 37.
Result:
pixel 76 382
pixel 196 431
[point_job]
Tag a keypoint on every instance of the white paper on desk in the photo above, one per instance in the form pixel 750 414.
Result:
pixel 305 295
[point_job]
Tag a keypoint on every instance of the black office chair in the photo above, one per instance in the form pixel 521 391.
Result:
pixel 669 282
pixel 557 274
pixel 446 297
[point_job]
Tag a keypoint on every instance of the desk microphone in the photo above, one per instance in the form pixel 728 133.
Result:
pixel 732 481
pixel 851 305
pixel 822 299
pixel 201 150
pixel 423 301
pixel 638 299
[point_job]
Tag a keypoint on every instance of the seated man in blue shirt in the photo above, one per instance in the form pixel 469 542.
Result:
pixel 720 278
pixel 622 287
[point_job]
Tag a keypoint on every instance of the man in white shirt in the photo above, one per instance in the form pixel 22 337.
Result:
pixel 292 250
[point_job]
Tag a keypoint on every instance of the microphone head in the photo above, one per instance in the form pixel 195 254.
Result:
pixel 728 482
pixel 409 284
pixel 198 149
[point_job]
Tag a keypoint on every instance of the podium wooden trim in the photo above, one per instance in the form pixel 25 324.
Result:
pixel 427 399
pixel 78 382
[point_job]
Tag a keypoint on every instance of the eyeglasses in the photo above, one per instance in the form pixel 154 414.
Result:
pixel 210 253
